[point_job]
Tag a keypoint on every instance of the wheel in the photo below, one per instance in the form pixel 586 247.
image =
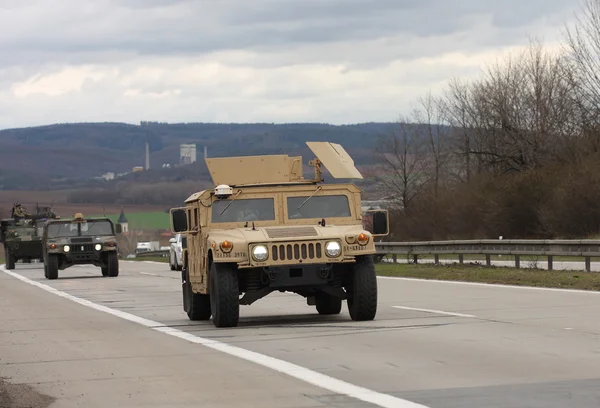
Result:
pixel 224 295
pixel 362 291
pixel 10 260
pixel 171 263
pixel 196 305
pixel 327 304
pixel 112 265
pixel 27 260
pixel 52 267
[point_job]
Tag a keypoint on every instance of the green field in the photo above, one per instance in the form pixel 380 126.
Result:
pixel 144 220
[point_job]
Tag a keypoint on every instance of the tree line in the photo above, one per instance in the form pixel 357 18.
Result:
pixel 514 153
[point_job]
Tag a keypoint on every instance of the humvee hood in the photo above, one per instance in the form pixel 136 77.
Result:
pixel 286 233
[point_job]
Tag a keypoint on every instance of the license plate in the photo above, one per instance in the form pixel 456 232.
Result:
pixel 25 238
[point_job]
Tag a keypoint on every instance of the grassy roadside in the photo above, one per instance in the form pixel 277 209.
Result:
pixel 499 275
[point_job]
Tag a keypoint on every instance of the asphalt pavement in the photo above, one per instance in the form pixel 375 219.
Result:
pixel 85 340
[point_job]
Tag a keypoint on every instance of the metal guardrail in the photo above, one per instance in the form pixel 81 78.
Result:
pixel 488 247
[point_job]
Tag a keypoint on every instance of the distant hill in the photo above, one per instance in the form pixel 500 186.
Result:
pixel 69 155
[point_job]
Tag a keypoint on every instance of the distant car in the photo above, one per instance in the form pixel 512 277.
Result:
pixel 175 253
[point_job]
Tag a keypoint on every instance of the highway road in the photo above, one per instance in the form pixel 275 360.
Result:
pixel 88 341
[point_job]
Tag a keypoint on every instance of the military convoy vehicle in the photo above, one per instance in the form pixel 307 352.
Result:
pixel 265 228
pixel 80 241
pixel 21 234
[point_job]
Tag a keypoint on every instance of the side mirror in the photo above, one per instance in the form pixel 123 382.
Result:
pixel 173 240
pixel 178 220
pixel 380 223
pixel 118 228
pixel 377 222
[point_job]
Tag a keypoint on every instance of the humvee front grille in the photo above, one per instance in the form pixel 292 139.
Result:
pixel 295 252
pixel 291 232
pixel 82 247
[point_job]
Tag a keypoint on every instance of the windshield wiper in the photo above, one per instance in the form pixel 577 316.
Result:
pixel 231 202
pixel 311 196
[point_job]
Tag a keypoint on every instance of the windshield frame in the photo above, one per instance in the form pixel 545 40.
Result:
pixel 246 196
pixel 323 193
pixel 79 234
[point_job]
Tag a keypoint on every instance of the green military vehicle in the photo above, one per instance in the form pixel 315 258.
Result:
pixel 265 228
pixel 80 241
pixel 21 234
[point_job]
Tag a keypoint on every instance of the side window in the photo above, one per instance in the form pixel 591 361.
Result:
pixel 195 217
pixel 189 219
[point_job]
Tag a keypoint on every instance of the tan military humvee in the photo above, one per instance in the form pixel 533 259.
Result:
pixel 265 228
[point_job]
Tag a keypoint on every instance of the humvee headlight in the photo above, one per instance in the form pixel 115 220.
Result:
pixel 333 249
pixel 66 248
pixel 260 253
pixel 363 239
pixel 98 247
pixel 226 246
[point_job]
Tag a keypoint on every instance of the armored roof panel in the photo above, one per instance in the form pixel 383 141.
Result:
pixel 254 169
pixel 335 159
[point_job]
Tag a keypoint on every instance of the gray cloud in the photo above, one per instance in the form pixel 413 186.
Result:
pixel 320 60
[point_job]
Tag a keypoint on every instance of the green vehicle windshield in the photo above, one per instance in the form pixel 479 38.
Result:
pixel 80 229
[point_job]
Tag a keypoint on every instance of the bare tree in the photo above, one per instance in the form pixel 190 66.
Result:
pixel 514 117
pixel 437 136
pixel 402 155
pixel 583 47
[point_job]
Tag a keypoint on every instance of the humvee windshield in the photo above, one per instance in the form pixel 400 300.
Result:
pixel 318 207
pixel 89 228
pixel 23 231
pixel 244 209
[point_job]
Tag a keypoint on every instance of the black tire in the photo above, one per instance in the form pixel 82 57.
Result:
pixel 328 304
pixel 112 265
pixel 104 271
pixel 195 305
pixel 362 293
pixel 10 260
pixel 171 263
pixel 52 267
pixel 224 295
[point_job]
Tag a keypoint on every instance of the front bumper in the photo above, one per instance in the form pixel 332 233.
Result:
pixel 82 254
pixel 281 277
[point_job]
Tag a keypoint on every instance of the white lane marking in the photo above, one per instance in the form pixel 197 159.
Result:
pixel 433 311
pixel 493 285
pixel 148 273
pixel 301 373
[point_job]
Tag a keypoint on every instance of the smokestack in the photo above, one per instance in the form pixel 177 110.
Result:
pixel 205 152
pixel 147 156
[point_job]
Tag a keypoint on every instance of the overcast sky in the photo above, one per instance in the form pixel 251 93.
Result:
pixel 334 61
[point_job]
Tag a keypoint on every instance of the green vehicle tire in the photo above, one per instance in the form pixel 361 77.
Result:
pixel 52 267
